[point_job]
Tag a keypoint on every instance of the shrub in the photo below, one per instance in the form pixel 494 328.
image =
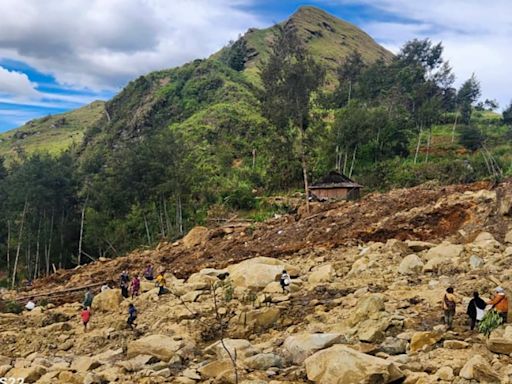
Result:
pixel 11 306
pixel 471 138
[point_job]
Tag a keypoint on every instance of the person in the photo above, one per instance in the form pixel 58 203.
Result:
pixel 284 281
pixel 499 302
pixel 449 306
pixel 124 280
pixel 132 315
pixel 30 304
pixel 88 298
pixel 475 310
pixel 86 316
pixel 148 273
pixel 135 286
pixel 105 287
pixel 161 283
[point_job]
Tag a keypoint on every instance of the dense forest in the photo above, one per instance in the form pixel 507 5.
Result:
pixel 182 146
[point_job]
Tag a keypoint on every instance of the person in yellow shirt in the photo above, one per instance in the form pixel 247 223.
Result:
pixel 161 283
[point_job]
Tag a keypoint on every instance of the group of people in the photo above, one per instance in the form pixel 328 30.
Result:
pixel 128 287
pixel 476 308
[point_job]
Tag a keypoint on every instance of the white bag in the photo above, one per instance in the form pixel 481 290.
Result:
pixel 479 314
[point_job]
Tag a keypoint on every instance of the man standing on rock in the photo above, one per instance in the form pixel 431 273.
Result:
pixel 161 283
pixel 500 303
pixel 124 280
pixel 88 298
pixel 449 306
pixel 476 309
pixel 132 315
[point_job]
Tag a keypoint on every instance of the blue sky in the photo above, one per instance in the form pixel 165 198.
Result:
pixel 56 56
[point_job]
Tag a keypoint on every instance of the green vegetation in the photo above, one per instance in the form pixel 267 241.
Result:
pixel 210 139
pixel 490 322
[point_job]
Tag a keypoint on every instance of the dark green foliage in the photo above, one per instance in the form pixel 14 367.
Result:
pixel 10 307
pixel 467 95
pixel 507 115
pixel 471 138
pixel 235 54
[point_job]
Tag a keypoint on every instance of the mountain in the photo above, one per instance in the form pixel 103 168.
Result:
pixel 162 98
pixel 53 133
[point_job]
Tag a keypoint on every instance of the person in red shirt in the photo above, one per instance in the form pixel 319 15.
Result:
pixel 86 316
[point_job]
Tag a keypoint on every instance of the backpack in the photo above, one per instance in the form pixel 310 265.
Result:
pixel 449 304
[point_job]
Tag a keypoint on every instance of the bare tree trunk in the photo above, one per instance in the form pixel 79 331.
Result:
pixel 167 219
pixel 37 266
pixel 253 158
pixel 349 91
pixel 48 250
pixel 147 227
pixel 429 140
pixel 161 220
pixel 13 282
pixel 179 215
pixel 454 126
pixel 353 161
pixel 61 254
pixel 345 162
pixel 418 145
pixel 82 219
pixel 304 168
pixel 8 247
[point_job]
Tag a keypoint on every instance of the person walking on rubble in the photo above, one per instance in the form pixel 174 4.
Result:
pixel 476 310
pixel 135 286
pixel 499 302
pixel 132 315
pixel 124 280
pixel 285 281
pixel 86 316
pixel 449 307
pixel 88 297
pixel 161 283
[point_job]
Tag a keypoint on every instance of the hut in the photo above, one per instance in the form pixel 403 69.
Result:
pixel 335 186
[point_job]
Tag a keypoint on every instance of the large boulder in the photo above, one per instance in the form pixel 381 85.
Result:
pixel 477 368
pixel 242 347
pixel 196 236
pixel 258 272
pixel 323 274
pixel 500 345
pixel 84 364
pixel 435 263
pixel 486 241
pixel 421 340
pixel 255 319
pixel 410 265
pixel 340 364
pixel 108 300
pixel 445 250
pixel 28 375
pixel 264 361
pixel 298 347
pixel 160 346
pixel 366 308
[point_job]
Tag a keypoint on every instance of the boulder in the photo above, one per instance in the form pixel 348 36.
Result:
pixel 160 346
pixel 477 368
pixel 420 340
pixel 340 364
pixel 393 346
pixel 435 263
pixel 508 237
pixel 475 262
pixel 84 364
pixel 445 373
pixel 215 368
pixel 108 300
pixel 418 246
pixel 298 347
pixel 372 330
pixel 486 241
pixel 243 348
pixel 445 250
pixel 29 375
pixel 258 272
pixel 324 274
pixel 69 377
pixel 366 307
pixel 196 236
pixel 455 344
pixel 359 266
pixel 396 247
pixel 500 345
pixel 4 369
pixel 256 319
pixel 264 361
pixel 410 265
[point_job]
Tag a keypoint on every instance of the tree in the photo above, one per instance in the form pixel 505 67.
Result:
pixel 289 78
pixel 235 54
pixel 468 94
pixel 507 115
pixel 471 138
pixel 349 72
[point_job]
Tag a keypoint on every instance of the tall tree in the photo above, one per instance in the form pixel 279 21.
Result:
pixel 289 78
pixel 349 72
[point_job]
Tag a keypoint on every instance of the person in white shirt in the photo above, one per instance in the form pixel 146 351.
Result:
pixel 30 305
pixel 284 281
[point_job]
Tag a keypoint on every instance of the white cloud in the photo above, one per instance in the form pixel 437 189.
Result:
pixel 477 35
pixel 101 44
pixel 16 85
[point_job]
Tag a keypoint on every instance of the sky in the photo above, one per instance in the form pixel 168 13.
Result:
pixel 59 55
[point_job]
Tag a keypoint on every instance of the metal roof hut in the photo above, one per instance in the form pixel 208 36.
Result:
pixel 335 186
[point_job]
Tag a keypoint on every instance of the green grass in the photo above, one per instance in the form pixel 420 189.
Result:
pixel 52 134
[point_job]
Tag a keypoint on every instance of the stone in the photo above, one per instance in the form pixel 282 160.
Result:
pixel 160 346
pixel 477 368
pixel 69 377
pixel 323 274
pixel 500 345
pixel 445 373
pixel 418 246
pixel 243 348
pixel 435 263
pixel 340 364
pixel 397 247
pixel 191 296
pixel 258 272
pixel 84 364
pixel 372 330
pixel 486 241
pixel 298 347
pixel 215 368
pixel 475 262
pixel 410 265
pixel 4 369
pixel 455 344
pixel 264 361
pixel 137 363
pixel 366 307
pixel 29 375
pixel 256 319
pixel 393 346
pixel 107 301
pixel 420 340
pixel 5 360
pixel 196 236
pixel 445 250
pixel 508 237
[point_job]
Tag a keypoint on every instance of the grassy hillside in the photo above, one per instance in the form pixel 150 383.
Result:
pixel 329 39
pixel 53 133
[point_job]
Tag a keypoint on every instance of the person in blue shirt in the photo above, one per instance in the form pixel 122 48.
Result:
pixel 132 315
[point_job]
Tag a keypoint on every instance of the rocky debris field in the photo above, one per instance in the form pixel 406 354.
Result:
pixel 364 305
